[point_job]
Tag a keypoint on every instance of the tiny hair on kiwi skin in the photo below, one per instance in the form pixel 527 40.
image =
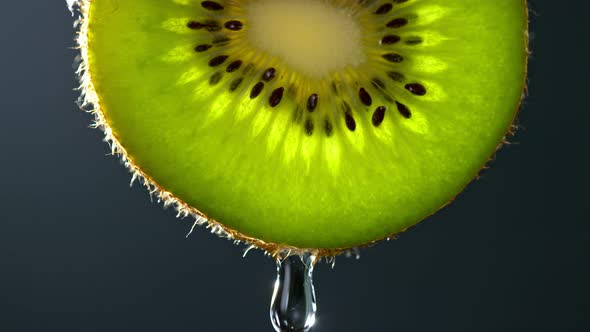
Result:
pixel 304 126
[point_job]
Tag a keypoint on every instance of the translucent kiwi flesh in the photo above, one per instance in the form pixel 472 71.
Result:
pixel 314 124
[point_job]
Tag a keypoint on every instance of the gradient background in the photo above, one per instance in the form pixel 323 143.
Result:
pixel 80 251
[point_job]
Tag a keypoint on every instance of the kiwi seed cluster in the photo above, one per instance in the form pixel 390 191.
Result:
pixel 222 65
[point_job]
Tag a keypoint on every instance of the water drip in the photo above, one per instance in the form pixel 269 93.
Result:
pixel 293 305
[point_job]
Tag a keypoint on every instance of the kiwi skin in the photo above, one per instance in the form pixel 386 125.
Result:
pixel 89 101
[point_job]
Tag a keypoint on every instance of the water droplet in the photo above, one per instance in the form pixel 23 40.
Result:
pixel 293 304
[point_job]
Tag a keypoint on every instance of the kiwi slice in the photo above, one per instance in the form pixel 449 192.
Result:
pixel 310 125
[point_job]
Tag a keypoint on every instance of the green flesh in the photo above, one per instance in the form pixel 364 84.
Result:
pixel 254 168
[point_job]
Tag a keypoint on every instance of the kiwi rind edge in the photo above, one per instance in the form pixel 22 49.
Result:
pixel 89 102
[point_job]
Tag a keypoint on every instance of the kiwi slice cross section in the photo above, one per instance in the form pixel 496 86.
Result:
pixel 310 125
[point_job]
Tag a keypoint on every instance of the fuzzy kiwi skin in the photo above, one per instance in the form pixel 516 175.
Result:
pixel 306 202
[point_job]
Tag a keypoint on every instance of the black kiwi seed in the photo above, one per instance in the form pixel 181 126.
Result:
pixel 393 57
pixel 308 127
pixel 416 88
pixel 234 66
pixel 233 25
pixel 403 110
pixel 378 83
pixel 397 23
pixel 384 9
pixel 211 5
pixel 378 116
pixel 312 102
pixel 269 74
pixel 221 40
pixel 328 128
pixel 413 41
pixel 209 25
pixel 216 61
pixel 398 77
pixel 276 96
pixel 256 90
pixel 194 25
pixel 365 97
pixel 235 84
pixel 390 39
pixel 349 120
pixel 215 78
pixel 202 48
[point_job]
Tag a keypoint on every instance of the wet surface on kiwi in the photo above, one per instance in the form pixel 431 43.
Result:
pixel 364 91
pixel 315 153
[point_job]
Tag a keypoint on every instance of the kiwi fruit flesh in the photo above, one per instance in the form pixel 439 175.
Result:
pixel 314 125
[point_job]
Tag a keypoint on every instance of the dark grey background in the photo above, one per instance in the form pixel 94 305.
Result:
pixel 80 251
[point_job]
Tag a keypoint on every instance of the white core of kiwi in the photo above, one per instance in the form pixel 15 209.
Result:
pixel 313 37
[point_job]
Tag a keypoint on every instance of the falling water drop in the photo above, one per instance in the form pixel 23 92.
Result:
pixel 293 304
